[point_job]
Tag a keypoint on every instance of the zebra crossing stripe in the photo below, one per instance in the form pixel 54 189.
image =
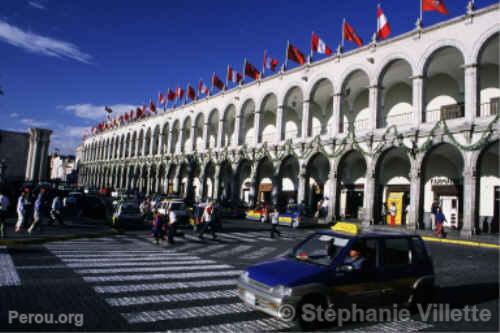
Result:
pixel 187 246
pixel 163 286
pixel 119 255
pixel 207 249
pixel 258 253
pixel 85 252
pixel 139 264
pixel 194 296
pixel 136 258
pixel 158 268
pixel 233 251
pixel 173 276
pixel 185 313
pixel 245 239
pixel 260 325
pixel 8 272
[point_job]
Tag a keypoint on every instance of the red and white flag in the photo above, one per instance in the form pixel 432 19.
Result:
pixel 171 95
pixel 293 53
pixel 161 98
pixel 233 76
pixel 434 5
pixel 383 27
pixel 319 46
pixel 217 82
pixel 152 106
pixel 251 71
pixel 179 93
pixel 269 62
pixel 202 88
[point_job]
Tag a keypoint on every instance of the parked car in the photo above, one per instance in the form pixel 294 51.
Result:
pixel 127 213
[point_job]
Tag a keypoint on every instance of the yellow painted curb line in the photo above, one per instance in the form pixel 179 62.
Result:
pixel 461 242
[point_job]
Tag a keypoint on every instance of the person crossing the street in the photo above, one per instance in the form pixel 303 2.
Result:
pixel 55 211
pixel 209 221
pixel 38 211
pixel 274 222
pixel 172 224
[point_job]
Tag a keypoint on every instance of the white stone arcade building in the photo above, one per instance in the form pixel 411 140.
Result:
pixel 412 119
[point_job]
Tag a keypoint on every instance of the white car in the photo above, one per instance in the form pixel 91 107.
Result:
pixel 179 208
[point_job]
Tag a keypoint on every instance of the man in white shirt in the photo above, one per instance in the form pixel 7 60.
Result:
pixel 172 223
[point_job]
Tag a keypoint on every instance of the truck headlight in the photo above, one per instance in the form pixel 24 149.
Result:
pixel 281 290
pixel 245 277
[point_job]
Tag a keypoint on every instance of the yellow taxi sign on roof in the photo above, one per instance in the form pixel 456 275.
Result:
pixel 346 228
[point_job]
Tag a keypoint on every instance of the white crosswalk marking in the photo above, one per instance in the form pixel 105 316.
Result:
pixel 158 263
pixel 194 296
pixel 131 280
pixel 8 272
pixel 137 277
pixel 163 286
pixel 185 313
pixel 150 269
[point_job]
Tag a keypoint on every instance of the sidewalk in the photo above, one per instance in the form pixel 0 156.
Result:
pixel 73 228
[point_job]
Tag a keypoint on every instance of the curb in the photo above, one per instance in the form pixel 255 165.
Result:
pixel 41 240
pixel 461 242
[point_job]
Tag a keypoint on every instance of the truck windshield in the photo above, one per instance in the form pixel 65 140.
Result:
pixel 320 249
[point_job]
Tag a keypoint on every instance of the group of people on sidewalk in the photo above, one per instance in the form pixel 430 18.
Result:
pixel 31 211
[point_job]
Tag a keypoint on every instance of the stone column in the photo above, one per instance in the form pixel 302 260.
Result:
pixel 280 128
pixel 373 106
pixel 151 144
pixel 216 182
pixel 256 126
pixel 305 120
pixel 418 99
pixel 158 182
pixel 236 134
pixel 333 129
pixel 253 186
pixel 276 183
pixel 137 146
pixel 143 148
pixel 189 186
pixel 193 139
pixel 369 194
pixel 415 195
pixel 301 193
pixel 220 130
pixel 471 93
pixel 159 151
pixel 332 195
pixel 205 136
pixel 469 202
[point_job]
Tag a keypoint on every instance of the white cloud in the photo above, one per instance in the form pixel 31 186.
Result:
pixel 96 112
pixel 40 44
pixel 37 5
pixel 34 123
pixel 14 115
pixel 67 138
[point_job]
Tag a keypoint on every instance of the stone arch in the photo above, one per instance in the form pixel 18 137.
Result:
pixel 488 77
pixel 244 182
pixel 199 123
pixel 175 136
pixel 444 84
pixel 320 108
pixel 156 140
pixel 289 173
pixel 229 125
pixel 317 169
pixel 213 128
pixel 165 130
pixel 488 178
pixel 186 135
pixel 268 114
pixel 442 179
pixel 351 179
pixel 293 104
pixel 247 123
pixel 355 111
pixel 395 99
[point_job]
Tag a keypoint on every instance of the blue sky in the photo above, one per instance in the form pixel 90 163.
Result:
pixel 63 60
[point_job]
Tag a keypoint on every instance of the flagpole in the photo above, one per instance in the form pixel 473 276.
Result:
pixel 421 13
pixel 376 31
pixel 212 88
pixel 343 26
pixel 286 54
pixel 227 74
pixel 264 63
pixel 311 51
pixel 243 72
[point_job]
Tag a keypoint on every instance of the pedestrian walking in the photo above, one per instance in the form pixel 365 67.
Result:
pixel 392 214
pixel 21 209
pixel 172 224
pixel 37 212
pixel 4 207
pixel 209 221
pixel 274 222
pixel 56 211
pixel 440 219
pixel 158 227
pixel 383 213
